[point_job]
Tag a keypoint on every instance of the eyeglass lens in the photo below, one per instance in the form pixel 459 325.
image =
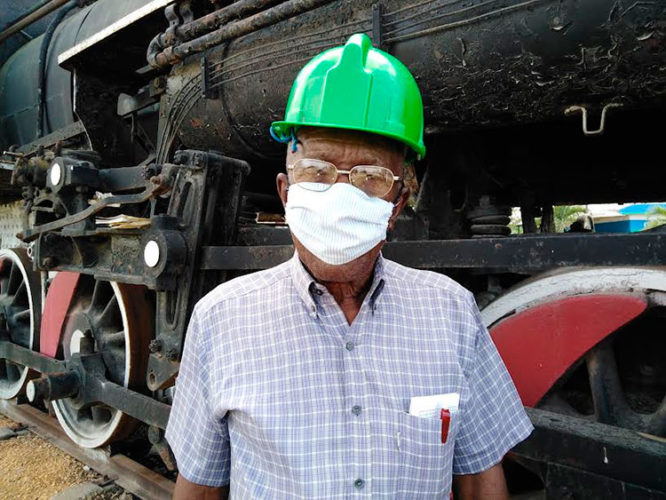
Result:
pixel 371 179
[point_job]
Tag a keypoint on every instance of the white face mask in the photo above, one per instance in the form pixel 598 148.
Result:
pixel 339 224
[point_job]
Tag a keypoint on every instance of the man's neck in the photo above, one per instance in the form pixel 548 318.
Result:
pixel 349 295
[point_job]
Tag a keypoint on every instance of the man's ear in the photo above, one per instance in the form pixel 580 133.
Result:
pixel 282 182
pixel 403 197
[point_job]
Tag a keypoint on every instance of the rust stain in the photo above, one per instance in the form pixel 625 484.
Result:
pixel 197 123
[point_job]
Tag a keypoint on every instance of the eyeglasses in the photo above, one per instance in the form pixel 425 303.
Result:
pixel 373 180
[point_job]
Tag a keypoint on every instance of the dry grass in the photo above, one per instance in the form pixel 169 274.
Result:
pixel 31 468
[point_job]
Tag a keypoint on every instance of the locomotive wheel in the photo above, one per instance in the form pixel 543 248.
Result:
pixel 115 319
pixel 586 343
pixel 619 380
pixel 19 314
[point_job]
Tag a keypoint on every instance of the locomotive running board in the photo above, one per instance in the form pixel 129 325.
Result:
pixel 578 456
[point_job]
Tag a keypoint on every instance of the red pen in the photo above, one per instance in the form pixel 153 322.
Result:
pixel 446 420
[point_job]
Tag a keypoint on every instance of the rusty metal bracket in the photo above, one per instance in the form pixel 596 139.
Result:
pixel 208 90
pixel 377 10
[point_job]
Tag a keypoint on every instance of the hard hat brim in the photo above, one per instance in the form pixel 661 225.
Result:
pixel 282 129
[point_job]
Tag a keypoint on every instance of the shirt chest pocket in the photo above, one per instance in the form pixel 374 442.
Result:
pixel 413 454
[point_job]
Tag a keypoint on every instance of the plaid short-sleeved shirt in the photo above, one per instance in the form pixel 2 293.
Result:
pixel 280 396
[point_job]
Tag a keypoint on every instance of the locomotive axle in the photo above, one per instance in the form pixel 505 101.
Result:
pixel 53 386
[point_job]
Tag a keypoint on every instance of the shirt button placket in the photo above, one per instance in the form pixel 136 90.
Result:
pixel 356 396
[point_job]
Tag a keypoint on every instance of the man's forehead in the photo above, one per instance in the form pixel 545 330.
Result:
pixel 333 141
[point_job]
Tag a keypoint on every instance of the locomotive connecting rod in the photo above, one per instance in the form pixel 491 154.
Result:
pixel 286 10
pixel 82 377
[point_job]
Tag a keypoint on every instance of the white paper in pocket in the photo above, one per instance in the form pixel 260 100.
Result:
pixel 431 406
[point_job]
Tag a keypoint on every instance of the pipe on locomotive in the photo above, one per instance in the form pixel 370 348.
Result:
pixel 205 24
pixel 173 54
pixel 26 19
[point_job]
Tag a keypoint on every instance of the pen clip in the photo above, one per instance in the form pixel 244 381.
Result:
pixel 445 415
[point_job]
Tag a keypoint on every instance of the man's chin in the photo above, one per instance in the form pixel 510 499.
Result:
pixel 349 271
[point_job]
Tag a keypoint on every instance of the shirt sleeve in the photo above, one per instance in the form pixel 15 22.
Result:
pixel 493 420
pixel 199 441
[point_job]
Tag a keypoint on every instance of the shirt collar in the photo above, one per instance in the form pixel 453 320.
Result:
pixel 307 288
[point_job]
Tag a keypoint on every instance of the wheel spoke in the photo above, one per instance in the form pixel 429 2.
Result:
pixel 22 316
pixel 14 277
pixel 100 414
pixel 20 297
pixel 657 421
pixel 96 295
pixel 610 405
pixel 115 339
pixel 109 313
pixel 557 404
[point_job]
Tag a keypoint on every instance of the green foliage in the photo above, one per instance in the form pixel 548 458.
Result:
pixel 656 217
pixel 564 216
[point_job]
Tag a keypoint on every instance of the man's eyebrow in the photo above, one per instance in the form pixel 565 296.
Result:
pixel 331 157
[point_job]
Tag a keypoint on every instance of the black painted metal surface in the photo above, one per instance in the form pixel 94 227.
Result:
pixel 490 63
pixel 520 254
pixel 19 101
pixel 583 457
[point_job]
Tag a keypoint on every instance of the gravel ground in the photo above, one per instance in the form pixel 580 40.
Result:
pixel 32 469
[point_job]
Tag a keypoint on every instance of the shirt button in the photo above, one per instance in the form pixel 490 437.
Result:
pixel 359 483
pixel 356 410
pixel 349 346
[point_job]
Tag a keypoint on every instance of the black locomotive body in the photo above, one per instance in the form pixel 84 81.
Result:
pixel 135 133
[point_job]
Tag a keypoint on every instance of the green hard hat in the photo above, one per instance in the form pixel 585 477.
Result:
pixel 357 87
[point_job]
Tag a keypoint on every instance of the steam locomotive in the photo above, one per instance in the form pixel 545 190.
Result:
pixel 134 137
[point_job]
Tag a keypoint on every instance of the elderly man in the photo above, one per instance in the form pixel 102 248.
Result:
pixel 339 373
